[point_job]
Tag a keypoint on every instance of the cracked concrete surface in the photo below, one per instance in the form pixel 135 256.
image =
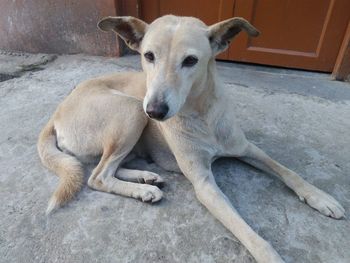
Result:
pixel 302 119
pixel 14 64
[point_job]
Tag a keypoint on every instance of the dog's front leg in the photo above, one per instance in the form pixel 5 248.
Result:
pixel 210 195
pixel 313 196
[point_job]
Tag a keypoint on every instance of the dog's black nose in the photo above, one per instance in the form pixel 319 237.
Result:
pixel 157 111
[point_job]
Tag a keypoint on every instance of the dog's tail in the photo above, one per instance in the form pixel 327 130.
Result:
pixel 67 167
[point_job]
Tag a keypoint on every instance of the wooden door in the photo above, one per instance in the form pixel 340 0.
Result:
pixel 304 34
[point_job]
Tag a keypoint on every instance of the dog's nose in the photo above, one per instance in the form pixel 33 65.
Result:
pixel 157 111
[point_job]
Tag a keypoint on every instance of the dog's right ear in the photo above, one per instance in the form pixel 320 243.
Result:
pixel 130 29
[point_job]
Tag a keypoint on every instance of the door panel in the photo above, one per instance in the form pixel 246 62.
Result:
pixel 303 34
pixel 294 33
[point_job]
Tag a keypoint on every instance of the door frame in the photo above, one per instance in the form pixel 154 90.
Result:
pixel 341 70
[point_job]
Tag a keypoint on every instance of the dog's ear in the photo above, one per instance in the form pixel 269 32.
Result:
pixel 130 29
pixel 221 34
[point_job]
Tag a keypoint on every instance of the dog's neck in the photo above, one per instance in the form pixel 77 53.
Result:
pixel 204 94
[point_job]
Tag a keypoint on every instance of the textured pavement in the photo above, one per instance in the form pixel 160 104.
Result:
pixel 301 119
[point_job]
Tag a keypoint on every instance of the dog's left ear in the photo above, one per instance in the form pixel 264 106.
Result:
pixel 130 29
pixel 221 34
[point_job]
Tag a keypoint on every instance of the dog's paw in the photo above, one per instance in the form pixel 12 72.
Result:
pixel 322 202
pixel 149 193
pixel 151 178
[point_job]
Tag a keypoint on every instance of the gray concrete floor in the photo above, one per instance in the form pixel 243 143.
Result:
pixel 302 119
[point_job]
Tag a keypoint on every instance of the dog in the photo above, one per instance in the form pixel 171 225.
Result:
pixel 176 112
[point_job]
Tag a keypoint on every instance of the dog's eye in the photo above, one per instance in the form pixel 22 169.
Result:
pixel 149 56
pixel 189 61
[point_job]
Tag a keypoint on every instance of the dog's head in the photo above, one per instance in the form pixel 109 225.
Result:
pixel 175 54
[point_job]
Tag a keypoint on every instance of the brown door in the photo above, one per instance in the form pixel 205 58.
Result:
pixel 303 34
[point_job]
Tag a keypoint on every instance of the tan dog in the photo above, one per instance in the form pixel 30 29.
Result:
pixel 191 124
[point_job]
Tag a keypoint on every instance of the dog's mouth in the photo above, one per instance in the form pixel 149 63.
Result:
pixel 161 119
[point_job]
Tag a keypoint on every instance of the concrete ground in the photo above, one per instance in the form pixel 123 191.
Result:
pixel 302 119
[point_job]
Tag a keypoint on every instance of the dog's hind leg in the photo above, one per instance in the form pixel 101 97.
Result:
pixel 115 151
pixel 103 179
pixel 138 176
pixel 313 196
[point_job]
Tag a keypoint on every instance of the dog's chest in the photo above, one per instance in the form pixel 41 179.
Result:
pixel 229 136
pixel 222 131
pixel 216 136
pixel 190 135
pixel 198 134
